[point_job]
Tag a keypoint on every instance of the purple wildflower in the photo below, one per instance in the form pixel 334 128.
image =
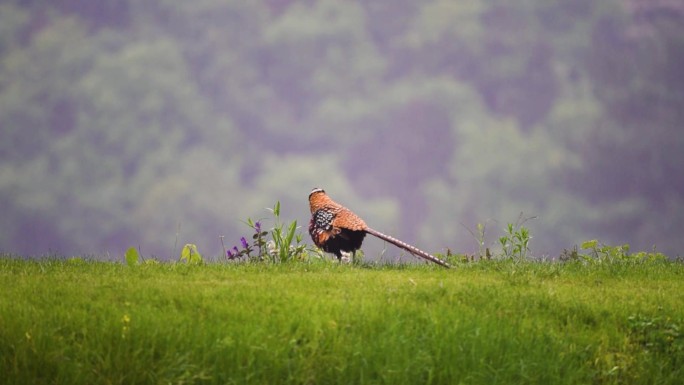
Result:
pixel 244 243
pixel 230 254
pixel 236 250
pixel 257 227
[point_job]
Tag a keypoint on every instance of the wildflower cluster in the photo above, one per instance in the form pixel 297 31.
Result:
pixel 248 249
pixel 285 243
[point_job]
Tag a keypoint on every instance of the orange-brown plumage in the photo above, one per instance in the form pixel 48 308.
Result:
pixel 334 228
pixel 344 217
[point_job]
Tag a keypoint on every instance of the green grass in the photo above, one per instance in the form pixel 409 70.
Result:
pixel 79 322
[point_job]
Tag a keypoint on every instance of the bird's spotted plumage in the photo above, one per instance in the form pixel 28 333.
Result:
pixel 334 229
pixel 323 219
pixel 328 226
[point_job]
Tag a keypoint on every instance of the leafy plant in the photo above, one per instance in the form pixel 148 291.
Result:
pixel 605 254
pixel 132 257
pixel 285 243
pixel 284 249
pixel 247 248
pixel 515 243
pixel 483 251
pixel 190 254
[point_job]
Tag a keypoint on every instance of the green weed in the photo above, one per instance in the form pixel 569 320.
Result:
pixel 132 256
pixel 190 254
pixel 515 243
pixel 596 253
pixel 286 244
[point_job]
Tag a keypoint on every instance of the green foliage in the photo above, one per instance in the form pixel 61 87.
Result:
pixel 190 254
pixel 132 256
pixel 481 228
pixel 283 247
pixel 515 244
pixel 285 244
pixel 497 321
pixel 601 254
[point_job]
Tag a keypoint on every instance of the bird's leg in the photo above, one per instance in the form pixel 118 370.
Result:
pixel 345 257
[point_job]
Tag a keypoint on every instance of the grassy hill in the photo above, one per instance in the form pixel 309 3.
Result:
pixel 491 322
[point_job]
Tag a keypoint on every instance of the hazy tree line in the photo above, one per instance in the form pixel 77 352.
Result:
pixel 125 122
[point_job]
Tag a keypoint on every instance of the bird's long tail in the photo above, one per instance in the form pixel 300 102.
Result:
pixel 411 249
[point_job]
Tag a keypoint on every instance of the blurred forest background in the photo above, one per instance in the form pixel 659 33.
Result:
pixel 125 120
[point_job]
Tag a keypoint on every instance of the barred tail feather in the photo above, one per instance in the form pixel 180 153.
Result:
pixel 411 249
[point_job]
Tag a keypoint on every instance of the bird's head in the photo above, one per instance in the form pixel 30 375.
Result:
pixel 317 198
pixel 316 190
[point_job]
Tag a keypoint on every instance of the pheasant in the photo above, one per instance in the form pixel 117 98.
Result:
pixel 334 229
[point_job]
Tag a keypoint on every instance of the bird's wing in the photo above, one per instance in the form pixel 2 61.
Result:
pixel 346 219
